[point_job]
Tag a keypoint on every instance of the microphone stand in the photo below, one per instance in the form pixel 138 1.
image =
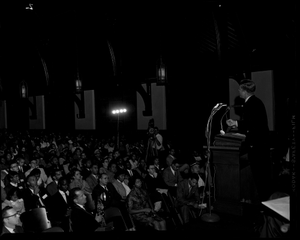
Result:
pixel 209 217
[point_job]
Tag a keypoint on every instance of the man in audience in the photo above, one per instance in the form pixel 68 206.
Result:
pixel 109 196
pixel 52 187
pixel 188 198
pixel 92 179
pixel 172 177
pixel 43 176
pixel 33 195
pixel 155 186
pixel 11 221
pixel 60 206
pixel 83 221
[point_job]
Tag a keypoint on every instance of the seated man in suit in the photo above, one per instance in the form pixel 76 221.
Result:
pixel 59 205
pixel 34 196
pixel 172 177
pixel 188 197
pixel 11 221
pixel 109 196
pixel 155 186
pixel 83 221
pixel 52 187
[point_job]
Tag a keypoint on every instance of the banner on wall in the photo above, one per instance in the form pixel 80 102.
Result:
pixel 39 122
pixel 159 112
pixel 3 115
pixel 88 122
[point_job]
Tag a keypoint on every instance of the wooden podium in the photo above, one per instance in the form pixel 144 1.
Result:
pixel 230 170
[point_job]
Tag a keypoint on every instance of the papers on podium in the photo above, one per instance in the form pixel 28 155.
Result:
pixel 280 206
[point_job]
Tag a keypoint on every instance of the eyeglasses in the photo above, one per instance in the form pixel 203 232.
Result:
pixel 17 213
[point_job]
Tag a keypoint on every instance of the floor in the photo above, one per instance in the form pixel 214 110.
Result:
pixel 220 224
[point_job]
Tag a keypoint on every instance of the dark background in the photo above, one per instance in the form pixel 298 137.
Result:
pixel 114 47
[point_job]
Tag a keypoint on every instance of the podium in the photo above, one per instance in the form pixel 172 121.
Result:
pixel 232 175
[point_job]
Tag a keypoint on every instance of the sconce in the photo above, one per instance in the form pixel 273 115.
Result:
pixel 161 73
pixel 24 96
pixel 79 98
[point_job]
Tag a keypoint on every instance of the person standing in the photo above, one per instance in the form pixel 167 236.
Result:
pixel 254 124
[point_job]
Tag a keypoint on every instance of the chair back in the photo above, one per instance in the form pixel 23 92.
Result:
pixel 35 220
pixel 113 212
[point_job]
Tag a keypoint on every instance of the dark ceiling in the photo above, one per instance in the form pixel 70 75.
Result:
pixel 119 43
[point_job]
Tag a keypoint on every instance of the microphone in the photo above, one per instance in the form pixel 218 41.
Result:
pixel 236 106
pixel 221 124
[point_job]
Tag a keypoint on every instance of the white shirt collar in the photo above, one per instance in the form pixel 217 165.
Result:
pixel 248 98
pixel 10 229
pixel 80 206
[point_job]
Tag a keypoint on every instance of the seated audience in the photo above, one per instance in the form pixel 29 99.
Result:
pixel 188 197
pixel 140 210
pixel 109 196
pixel 83 221
pixel 59 205
pixel 172 177
pixel 11 221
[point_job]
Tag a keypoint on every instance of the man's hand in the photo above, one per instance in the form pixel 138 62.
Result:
pixel 231 123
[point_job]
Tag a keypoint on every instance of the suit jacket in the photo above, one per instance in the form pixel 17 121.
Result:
pixel 113 198
pixel 184 195
pixel 51 188
pixel 82 220
pixel 57 209
pixel 92 181
pixel 18 229
pixel 254 123
pixel 32 201
pixel 169 178
pixel 169 160
pixel 120 188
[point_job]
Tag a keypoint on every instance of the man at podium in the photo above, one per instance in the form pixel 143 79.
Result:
pixel 254 124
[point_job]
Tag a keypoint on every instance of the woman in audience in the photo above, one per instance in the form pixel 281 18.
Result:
pixel 138 206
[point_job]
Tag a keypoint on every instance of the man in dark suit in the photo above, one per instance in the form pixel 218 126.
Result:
pixel 188 197
pixel 155 186
pixel 52 187
pixel 59 205
pixel 83 221
pixel 92 179
pixel 11 221
pixel 254 124
pixel 33 195
pixel 110 197
pixel 172 177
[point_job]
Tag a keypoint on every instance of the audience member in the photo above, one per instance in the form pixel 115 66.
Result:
pixel 140 210
pixel 11 221
pixel 43 177
pixel 51 187
pixel 14 199
pixel 172 177
pixel 120 175
pixel 92 179
pixel 83 221
pixel 188 198
pixel 155 186
pixel 59 205
pixel 109 196
pixel 33 195
pixel 170 157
